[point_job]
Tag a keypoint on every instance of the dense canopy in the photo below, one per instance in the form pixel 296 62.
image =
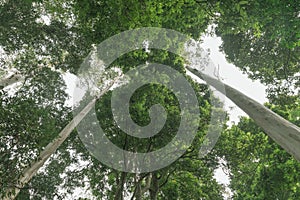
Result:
pixel 44 41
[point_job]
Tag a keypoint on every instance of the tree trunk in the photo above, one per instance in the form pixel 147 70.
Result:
pixel 139 190
pixel 283 132
pixel 29 172
pixel 154 188
pixel 120 187
pixel 10 79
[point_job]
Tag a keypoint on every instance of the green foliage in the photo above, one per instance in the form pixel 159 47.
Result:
pixel 189 163
pixel 106 18
pixel 192 179
pixel 262 39
pixel 259 168
pixel 30 119
pixel 40 37
pixel 43 39
pixel 23 29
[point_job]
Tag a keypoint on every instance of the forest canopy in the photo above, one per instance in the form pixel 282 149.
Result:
pixel 42 41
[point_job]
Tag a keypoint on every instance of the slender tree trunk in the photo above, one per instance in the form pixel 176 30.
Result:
pixel 139 190
pixel 154 188
pixel 29 172
pixel 120 187
pixel 283 132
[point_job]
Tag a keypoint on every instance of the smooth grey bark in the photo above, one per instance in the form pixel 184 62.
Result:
pixel 283 132
pixel 10 79
pixel 32 169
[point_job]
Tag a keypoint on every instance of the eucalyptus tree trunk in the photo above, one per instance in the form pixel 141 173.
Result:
pixel 32 169
pixel 10 79
pixel 283 132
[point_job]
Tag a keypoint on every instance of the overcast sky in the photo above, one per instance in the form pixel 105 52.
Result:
pixel 233 77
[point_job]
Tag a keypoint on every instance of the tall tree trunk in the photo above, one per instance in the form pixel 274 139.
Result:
pixel 138 192
pixel 32 169
pixel 283 132
pixel 154 188
pixel 120 187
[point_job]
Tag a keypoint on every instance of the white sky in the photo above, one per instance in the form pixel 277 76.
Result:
pixel 232 76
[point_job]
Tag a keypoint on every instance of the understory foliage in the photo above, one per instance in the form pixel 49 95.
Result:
pixel 44 40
